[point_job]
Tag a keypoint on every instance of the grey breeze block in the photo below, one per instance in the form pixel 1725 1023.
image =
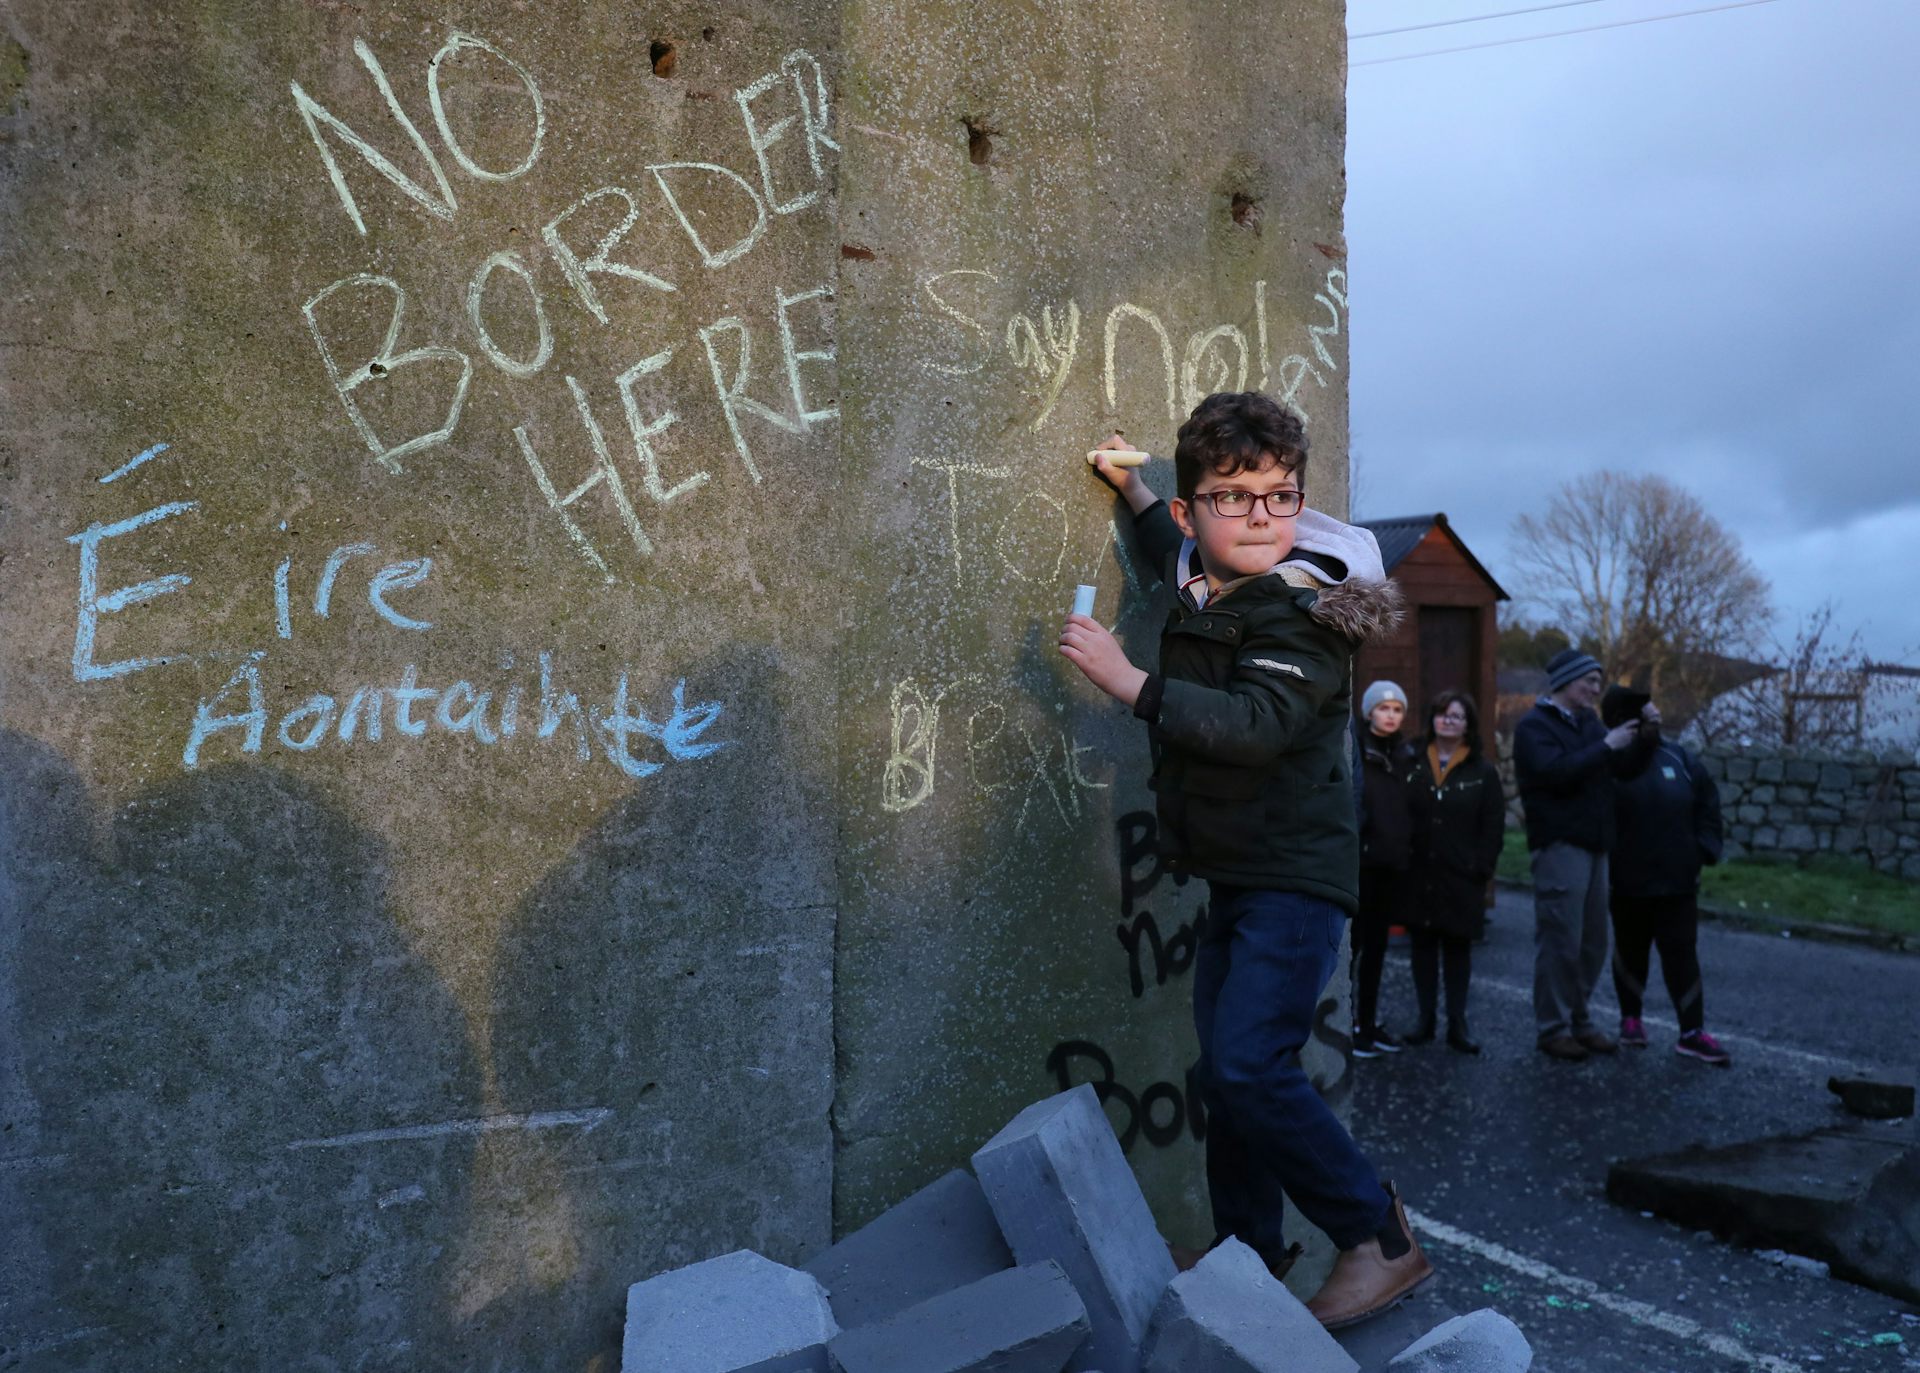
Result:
pixel 1228 1314
pixel 1020 1320
pixel 739 1313
pixel 1482 1341
pixel 1062 1190
pixel 940 1238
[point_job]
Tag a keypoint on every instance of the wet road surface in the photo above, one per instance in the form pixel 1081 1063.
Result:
pixel 1503 1157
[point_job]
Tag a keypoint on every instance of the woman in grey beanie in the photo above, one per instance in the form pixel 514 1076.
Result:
pixel 1385 832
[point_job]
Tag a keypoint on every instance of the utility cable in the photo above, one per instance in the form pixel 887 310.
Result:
pixel 1470 19
pixel 1563 33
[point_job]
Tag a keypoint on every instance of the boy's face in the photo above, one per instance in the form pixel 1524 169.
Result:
pixel 1245 545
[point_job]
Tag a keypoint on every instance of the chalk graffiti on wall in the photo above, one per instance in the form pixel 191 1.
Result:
pixel 486 709
pixel 584 242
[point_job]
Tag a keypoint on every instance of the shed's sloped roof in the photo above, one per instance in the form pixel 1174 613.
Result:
pixel 1400 535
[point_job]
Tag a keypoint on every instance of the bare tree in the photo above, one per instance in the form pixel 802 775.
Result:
pixel 1824 695
pixel 1646 580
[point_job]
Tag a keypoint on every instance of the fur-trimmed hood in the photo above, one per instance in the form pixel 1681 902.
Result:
pixel 1342 562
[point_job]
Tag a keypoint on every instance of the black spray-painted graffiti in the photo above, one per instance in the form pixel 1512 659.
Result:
pixel 1162 1112
pixel 1140 873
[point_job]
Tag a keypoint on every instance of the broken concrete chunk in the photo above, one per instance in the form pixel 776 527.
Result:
pixel 1374 1341
pixel 940 1238
pixel 1228 1314
pixel 1021 1320
pixel 1062 1190
pixel 739 1313
pixel 1874 1098
pixel 1482 1341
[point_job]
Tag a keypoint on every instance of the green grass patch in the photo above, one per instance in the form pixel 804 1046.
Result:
pixel 1821 891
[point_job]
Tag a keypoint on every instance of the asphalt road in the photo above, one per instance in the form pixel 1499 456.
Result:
pixel 1503 1158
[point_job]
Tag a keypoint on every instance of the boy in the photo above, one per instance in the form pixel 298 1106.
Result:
pixel 1253 777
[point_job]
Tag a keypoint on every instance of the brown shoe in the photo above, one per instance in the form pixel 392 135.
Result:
pixel 1185 1256
pixel 1364 1281
pixel 1564 1047
pixel 1596 1041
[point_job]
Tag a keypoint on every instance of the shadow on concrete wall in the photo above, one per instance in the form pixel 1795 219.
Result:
pixel 199 1001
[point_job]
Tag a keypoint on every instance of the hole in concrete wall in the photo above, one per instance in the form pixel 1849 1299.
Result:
pixel 980 137
pixel 707 34
pixel 664 56
pixel 1246 211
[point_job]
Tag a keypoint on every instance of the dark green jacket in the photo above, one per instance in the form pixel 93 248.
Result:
pixel 1252 756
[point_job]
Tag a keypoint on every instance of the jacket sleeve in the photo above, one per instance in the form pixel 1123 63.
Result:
pixel 1542 760
pixel 1160 538
pixel 1708 835
pixel 1493 822
pixel 1281 681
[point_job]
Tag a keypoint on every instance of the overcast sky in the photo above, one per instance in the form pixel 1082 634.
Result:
pixel 1689 247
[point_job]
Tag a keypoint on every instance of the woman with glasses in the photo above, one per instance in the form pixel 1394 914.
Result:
pixel 1459 818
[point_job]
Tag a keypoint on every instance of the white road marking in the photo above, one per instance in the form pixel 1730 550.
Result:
pixel 590 1118
pixel 1680 1327
pixel 1744 1043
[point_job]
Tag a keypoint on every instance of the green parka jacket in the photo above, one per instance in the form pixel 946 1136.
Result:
pixel 1250 713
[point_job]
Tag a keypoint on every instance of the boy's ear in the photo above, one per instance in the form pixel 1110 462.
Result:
pixel 1182 512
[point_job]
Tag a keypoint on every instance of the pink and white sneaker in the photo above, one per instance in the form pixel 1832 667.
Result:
pixel 1703 1046
pixel 1633 1034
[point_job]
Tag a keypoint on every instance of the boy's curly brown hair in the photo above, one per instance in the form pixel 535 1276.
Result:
pixel 1237 431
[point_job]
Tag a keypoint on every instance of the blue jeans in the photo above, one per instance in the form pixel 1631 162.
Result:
pixel 1263 960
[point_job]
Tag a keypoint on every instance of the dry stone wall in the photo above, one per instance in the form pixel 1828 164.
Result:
pixel 1799 804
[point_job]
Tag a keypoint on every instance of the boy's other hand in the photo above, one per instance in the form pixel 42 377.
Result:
pixel 1124 480
pixel 1623 734
pixel 1098 655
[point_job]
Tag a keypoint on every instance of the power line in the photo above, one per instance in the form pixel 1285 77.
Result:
pixel 1563 33
pixel 1470 19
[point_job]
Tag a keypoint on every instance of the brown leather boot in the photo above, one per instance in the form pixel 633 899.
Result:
pixel 1370 1277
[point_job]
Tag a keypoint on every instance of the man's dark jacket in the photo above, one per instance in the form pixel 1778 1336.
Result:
pixel 1565 773
pixel 1667 816
pixel 1249 717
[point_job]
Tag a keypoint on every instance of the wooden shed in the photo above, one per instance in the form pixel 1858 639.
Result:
pixel 1449 638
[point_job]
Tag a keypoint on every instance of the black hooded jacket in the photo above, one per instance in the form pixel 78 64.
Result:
pixel 1386 831
pixel 1667 822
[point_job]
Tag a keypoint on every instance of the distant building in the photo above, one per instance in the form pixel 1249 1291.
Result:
pixel 1449 638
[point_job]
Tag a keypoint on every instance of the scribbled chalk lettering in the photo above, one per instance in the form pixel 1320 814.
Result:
pixel 625 732
pixel 383 364
pixel 93 605
pixel 813 120
pixel 460 42
pixel 579 272
pixel 441 206
pixel 741 246
pixel 476 299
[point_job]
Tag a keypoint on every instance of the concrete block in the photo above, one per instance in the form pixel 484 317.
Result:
pixel 1228 1314
pixel 1373 1342
pixel 942 1237
pixel 1021 1320
pixel 739 1313
pixel 1062 1190
pixel 1482 1341
pixel 1876 1099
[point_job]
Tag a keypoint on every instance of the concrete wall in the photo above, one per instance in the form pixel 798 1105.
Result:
pixel 734 853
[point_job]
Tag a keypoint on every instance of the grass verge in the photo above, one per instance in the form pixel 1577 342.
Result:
pixel 1822 891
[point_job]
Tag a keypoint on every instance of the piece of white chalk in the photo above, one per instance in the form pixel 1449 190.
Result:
pixel 1119 457
pixel 1083 601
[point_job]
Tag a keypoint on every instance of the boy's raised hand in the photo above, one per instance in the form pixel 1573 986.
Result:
pixel 1125 480
pixel 1098 655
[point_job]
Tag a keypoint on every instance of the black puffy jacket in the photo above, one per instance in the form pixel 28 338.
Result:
pixel 1252 760
pixel 1667 823
pixel 1385 830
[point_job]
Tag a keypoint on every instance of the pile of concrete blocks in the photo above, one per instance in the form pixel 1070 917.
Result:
pixel 1045 1259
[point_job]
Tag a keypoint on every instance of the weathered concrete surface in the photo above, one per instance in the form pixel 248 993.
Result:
pixel 1848 1196
pixel 1228 1314
pixel 1373 1343
pixel 1036 179
pixel 1023 1320
pixel 414 1051
pixel 738 1313
pixel 1482 1341
pixel 940 1238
